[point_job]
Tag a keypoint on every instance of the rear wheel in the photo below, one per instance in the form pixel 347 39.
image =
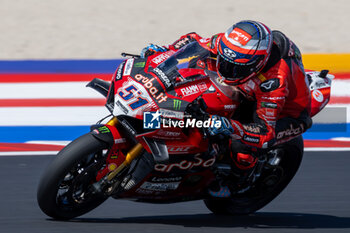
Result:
pixel 267 188
pixel 65 189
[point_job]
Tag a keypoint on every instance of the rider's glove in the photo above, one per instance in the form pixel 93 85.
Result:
pixel 152 49
pixel 221 125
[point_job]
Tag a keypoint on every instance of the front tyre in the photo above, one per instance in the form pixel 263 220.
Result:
pixel 264 193
pixel 65 191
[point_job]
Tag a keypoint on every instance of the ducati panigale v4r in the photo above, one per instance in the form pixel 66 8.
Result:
pixel 155 146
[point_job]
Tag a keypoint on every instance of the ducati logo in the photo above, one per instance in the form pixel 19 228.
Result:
pixel 240 36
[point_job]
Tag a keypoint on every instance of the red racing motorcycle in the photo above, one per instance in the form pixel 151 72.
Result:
pixel 155 147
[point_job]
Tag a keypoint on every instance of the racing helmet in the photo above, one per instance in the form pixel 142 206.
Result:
pixel 243 51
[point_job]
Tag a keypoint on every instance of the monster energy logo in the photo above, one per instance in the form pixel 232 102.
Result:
pixel 104 129
pixel 140 64
pixel 177 104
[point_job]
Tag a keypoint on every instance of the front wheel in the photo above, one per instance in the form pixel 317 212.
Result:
pixel 264 192
pixel 65 191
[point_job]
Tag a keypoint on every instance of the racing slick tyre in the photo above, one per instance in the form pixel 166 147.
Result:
pixel 65 191
pixel 265 190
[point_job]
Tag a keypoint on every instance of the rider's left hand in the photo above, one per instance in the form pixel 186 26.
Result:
pixel 225 126
pixel 152 49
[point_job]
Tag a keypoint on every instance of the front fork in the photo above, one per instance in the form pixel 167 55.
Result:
pixel 133 153
pixel 116 161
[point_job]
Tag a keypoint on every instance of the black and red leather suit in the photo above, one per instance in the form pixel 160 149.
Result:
pixel 275 103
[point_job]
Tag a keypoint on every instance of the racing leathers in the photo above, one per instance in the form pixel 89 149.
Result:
pixel 275 104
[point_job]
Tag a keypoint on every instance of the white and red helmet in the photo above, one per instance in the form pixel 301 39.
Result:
pixel 243 51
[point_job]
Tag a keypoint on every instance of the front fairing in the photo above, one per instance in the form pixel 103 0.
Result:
pixel 167 83
pixel 147 85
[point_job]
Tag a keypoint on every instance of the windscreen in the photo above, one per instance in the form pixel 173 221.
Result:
pixel 183 58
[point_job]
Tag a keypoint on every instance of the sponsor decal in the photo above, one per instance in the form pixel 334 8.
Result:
pixel 162 57
pixel 240 36
pixel 165 80
pixel 229 107
pixel 251 139
pixel 202 86
pixel 119 140
pixel 190 90
pixel 160 187
pixel 318 96
pixel 144 191
pixel 270 85
pixel 268 105
pixel 103 129
pixel 140 64
pixel 168 133
pixel 128 67
pixel 185 164
pixel 291 131
pixel 229 53
pixel 177 104
pixel 179 149
pixel 172 134
pixel 273 98
pixel 171 114
pixel 166 179
pixel 182 42
pixel 271 119
pixel 151 120
pixel 122 107
pixel 270 112
pixel 118 76
pixel 148 83
pixel 128 127
pixel 252 129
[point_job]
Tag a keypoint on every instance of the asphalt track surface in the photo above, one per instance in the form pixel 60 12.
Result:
pixel 317 200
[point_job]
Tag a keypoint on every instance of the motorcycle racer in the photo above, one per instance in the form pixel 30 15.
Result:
pixel 152 149
pixel 266 67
